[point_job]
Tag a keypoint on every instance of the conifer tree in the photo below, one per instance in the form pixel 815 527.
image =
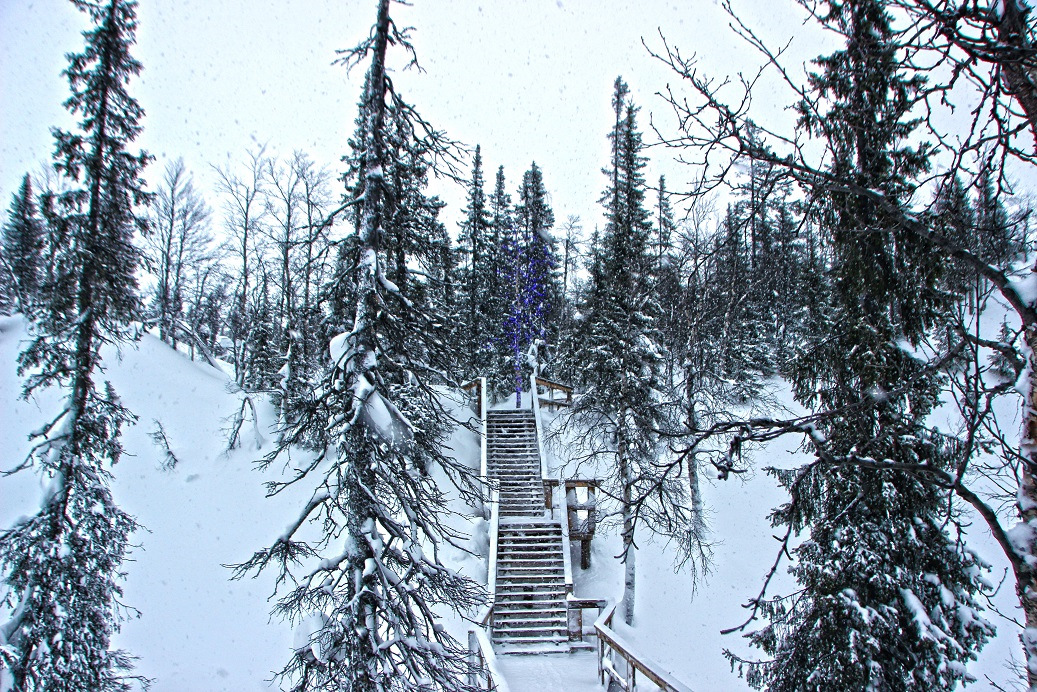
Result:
pixel 476 279
pixel 369 585
pixel 501 275
pixel 622 362
pixel 63 564
pixel 22 247
pixel 955 218
pixel 540 290
pixel 997 241
pixel 887 597
pixel 532 276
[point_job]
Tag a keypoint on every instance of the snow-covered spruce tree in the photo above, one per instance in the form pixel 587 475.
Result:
pixel 22 249
pixel 531 280
pixel 539 297
pixel 620 411
pixel 955 219
pixel 478 281
pixel 886 598
pixel 501 273
pixel 62 564
pixel 365 590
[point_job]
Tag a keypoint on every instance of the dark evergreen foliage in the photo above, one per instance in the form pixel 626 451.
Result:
pixel 371 582
pixel 22 249
pixel 63 563
pixel 887 598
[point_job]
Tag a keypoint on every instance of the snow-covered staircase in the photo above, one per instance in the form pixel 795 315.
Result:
pixel 529 607
pixel 529 613
pixel 513 460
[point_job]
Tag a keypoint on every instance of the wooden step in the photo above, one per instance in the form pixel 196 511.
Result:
pixel 505 640
pixel 545 630
pixel 532 591
pixel 546 561
pixel 510 604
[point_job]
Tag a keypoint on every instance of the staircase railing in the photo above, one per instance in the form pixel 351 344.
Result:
pixel 480 400
pixel 484 672
pixel 556 503
pixel 491 562
pixel 618 661
pixel 485 675
pixel 552 387
pixel 534 403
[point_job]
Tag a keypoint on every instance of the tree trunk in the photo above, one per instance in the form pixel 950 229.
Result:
pixel 629 571
pixel 1026 576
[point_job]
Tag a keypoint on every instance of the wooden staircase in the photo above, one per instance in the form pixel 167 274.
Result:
pixel 529 613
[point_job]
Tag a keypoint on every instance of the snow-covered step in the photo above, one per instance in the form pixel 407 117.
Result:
pixel 530 559
pixel 529 601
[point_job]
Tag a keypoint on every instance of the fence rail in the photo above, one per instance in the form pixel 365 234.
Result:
pixel 484 673
pixel 551 402
pixel 617 660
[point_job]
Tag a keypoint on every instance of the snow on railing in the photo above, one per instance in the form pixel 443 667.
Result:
pixel 484 675
pixel 534 403
pixel 552 387
pixel 491 563
pixel 618 660
pixel 479 385
pixel 559 499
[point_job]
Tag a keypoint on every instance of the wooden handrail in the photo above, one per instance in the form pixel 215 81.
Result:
pixel 484 675
pixel 479 385
pixel 611 644
pixel 495 525
pixel 534 403
pixel 552 387
pixel 555 385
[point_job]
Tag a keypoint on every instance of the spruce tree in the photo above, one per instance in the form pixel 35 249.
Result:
pixel 501 276
pixel 63 564
pixel 622 363
pixel 370 583
pixel 886 598
pixel 22 247
pixel 956 221
pixel 476 277
pixel 531 280
pixel 996 234
pixel 540 288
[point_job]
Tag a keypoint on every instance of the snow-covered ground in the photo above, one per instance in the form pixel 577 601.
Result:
pixel 577 672
pixel 200 631
pixel 197 629
pixel 678 619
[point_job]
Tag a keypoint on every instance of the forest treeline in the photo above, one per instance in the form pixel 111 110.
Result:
pixel 859 275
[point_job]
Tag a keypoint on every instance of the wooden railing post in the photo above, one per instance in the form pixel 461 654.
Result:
pixel 611 646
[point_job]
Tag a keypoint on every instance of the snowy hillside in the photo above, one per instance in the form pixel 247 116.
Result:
pixel 199 631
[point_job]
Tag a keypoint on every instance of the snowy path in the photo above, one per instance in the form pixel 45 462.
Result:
pixel 576 672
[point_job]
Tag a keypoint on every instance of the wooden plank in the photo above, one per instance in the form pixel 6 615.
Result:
pixel 607 637
pixel 554 385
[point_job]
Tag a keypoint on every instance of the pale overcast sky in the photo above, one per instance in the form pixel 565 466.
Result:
pixel 528 80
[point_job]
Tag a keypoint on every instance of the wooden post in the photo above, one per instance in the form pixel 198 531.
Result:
pixel 585 553
pixel 574 623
